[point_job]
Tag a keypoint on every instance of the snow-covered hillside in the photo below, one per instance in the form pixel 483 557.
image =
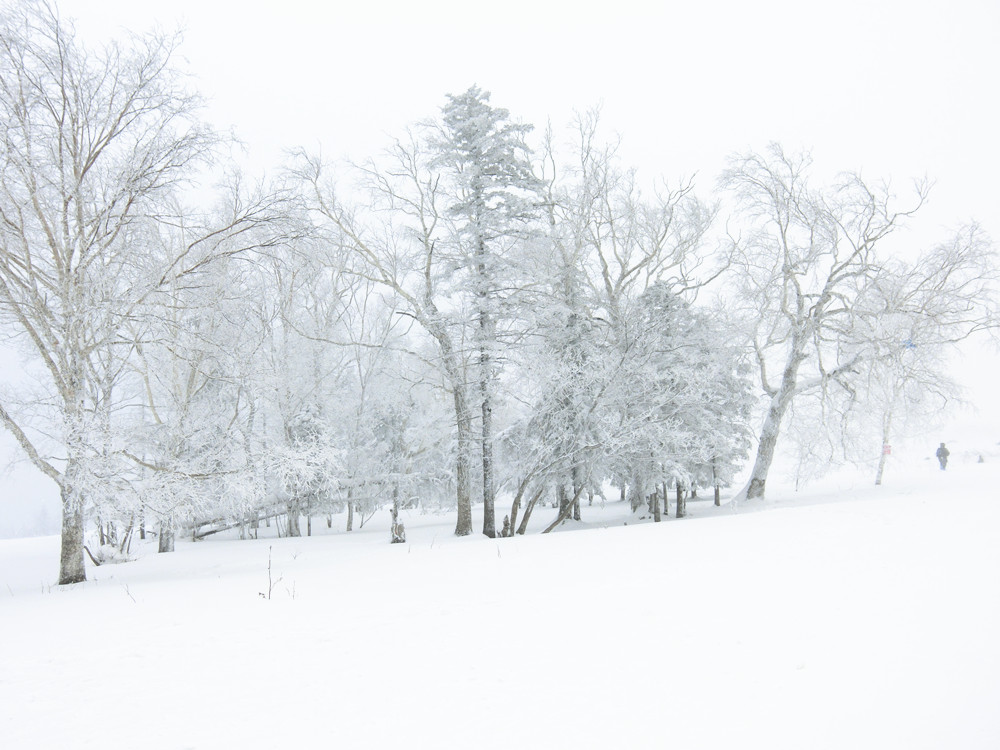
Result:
pixel 851 616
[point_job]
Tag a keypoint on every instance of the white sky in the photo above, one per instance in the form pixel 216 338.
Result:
pixel 895 89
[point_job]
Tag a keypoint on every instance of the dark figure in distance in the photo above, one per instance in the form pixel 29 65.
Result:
pixel 942 454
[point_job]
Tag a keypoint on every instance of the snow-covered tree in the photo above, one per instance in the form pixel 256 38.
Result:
pixel 689 400
pixel 493 197
pixel 811 266
pixel 613 243
pixel 90 142
pixel 96 149
pixel 452 205
pixel 197 355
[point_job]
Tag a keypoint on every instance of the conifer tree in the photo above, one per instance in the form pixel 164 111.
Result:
pixel 495 201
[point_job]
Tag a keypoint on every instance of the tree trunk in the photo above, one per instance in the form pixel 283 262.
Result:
pixel 681 505
pixel 886 426
pixel 772 424
pixel 562 499
pixel 463 416
pixel 564 514
pixel 485 343
pixel 656 506
pixel 638 491
pixel 293 518
pixel 515 507
pixel 512 518
pixel 72 568
pixel 489 497
pixel 485 392
pixel 350 511
pixel 527 511
pixel 165 542
pixel 578 489
pixel 125 545
pixel 397 534
pixel 463 475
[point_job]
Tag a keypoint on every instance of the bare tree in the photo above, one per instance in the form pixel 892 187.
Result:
pixel 612 243
pixel 196 345
pixel 918 312
pixel 402 254
pixel 90 140
pixel 810 270
pixel 94 147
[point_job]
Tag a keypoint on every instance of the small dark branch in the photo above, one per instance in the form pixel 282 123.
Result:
pixel 270 582
pixel 567 511
pixel 91 556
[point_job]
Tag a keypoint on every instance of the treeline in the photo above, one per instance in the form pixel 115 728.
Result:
pixel 478 315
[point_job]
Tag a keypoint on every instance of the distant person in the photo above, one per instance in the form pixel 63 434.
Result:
pixel 942 454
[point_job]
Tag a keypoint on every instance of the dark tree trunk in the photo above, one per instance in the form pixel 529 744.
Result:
pixel 515 507
pixel 656 506
pixel 72 568
pixel 489 499
pixel 528 509
pixel 565 513
pixel 563 499
pixel 511 520
pixel 681 505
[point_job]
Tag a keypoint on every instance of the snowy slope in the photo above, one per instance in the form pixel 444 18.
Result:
pixel 861 618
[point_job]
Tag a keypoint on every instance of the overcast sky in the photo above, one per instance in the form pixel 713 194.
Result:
pixel 894 89
pixel 898 89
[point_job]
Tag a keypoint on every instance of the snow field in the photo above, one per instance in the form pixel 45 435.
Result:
pixel 868 622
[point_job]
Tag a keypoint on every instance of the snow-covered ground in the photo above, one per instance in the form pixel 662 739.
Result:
pixel 844 616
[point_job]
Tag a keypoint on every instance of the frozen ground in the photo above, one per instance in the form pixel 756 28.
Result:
pixel 847 616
